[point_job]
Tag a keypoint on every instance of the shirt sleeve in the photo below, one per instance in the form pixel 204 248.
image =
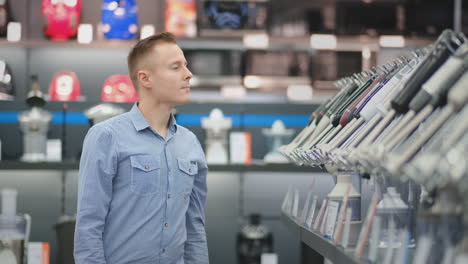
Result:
pixel 196 249
pixel 97 168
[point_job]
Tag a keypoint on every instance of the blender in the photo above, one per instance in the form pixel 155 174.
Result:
pixel 14 230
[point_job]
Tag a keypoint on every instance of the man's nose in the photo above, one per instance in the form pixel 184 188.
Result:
pixel 188 74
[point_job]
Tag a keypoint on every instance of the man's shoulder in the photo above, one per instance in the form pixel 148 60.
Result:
pixel 185 132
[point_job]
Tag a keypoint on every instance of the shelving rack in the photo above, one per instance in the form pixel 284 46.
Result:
pixel 319 244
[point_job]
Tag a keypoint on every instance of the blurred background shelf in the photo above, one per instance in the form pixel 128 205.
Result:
pixel 74 165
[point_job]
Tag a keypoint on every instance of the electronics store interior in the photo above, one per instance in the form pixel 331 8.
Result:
pixel 333 131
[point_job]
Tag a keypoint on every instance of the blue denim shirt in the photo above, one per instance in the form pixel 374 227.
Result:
pixel 141 198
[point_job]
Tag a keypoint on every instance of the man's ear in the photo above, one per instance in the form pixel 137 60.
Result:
pixel 144 79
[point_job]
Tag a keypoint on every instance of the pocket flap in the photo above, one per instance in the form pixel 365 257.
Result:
pixel 144 162
pixel 187 166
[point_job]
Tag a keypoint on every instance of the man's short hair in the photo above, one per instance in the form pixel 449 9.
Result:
pixel 142 49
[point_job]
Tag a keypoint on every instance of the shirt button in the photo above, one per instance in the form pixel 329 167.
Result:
pixel 146 167
pixel 166 225
pixel 163 250
pixel 190 170
pixel 169 196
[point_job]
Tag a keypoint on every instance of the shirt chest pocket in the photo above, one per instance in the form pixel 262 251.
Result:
pixel 146 174
pixel 187 171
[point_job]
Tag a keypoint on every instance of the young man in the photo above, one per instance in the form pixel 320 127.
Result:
pixel 142 186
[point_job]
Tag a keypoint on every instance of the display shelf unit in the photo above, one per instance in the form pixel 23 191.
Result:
pixel 73 165
pixel 318 243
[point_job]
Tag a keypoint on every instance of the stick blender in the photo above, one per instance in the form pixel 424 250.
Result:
pixel 216 126
pixel 277 135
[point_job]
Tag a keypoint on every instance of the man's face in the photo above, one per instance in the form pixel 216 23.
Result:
pixel 169 76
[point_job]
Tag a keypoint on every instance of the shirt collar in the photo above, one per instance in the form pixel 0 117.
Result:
pixel 172 123
pixel 140 123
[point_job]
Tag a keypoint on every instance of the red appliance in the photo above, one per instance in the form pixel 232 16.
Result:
pixel 61 18
pixel 64 86
pixel 119 89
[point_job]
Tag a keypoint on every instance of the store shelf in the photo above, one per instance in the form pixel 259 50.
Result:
pixel 291 224
pixel 72 165
pixel 344 43
pixel 319 244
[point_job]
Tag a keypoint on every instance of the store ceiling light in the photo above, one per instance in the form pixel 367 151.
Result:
pixel 256 41
pixel 299 92
pixel 323 41
pixel 146 31
pixel 252 82
pixel 392 41
pixel 85 33
pixel 14 31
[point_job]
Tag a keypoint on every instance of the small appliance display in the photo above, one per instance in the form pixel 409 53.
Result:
pixel 216 126
pixel 61 18
pixel 7 90
pixel 64 86
pixel 181 17
pixel 119 19
pixel 119 89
